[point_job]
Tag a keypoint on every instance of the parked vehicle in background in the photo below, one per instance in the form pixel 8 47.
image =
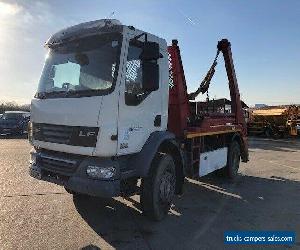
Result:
pixel 275 121
pixel 14 122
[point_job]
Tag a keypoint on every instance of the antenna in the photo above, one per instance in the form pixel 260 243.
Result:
pixel 110 16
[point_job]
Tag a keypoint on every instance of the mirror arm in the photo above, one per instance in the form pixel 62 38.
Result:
pixel 140 35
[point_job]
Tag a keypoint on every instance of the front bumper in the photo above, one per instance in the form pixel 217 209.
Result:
pixel 82 185
pixel 70 172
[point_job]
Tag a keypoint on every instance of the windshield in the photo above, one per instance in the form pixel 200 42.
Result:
pixel 11 116
pixel 81 68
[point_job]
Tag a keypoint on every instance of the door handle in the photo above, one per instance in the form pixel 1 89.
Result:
pixel 157 121
pixel 114 137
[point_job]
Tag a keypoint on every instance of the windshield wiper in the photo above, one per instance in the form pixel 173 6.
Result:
pixel 44 95
pixel 71 92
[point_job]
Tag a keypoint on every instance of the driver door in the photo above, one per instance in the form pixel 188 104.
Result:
pixel 139 111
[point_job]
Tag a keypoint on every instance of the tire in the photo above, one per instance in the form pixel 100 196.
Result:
pixel 70 191
pixel 233 160
pixel 75 193
pixel 158 188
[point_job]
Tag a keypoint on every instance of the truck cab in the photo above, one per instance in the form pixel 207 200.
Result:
pixel 92 83
pixel 100 119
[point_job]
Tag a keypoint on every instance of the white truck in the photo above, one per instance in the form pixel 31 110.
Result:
pixel 112 108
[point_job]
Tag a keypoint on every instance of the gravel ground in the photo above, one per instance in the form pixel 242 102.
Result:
pixel 40 215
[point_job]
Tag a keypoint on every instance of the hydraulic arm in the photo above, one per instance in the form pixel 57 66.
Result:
pixel 179 108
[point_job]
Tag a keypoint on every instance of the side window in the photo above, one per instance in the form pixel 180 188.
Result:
pixel 134 93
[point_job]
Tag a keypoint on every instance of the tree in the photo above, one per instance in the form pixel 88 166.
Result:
pixel 13 106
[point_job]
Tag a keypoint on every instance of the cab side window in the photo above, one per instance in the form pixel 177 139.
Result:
pixel 134 93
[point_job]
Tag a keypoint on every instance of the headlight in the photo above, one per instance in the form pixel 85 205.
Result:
pixel 100 172
pixel 32 157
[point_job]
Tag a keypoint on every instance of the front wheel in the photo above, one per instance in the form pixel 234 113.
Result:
pixel 158 189
pixel 75 194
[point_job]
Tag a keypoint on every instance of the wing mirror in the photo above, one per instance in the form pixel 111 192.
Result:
pixel 150 76
pixel 150 51
pixel 149 57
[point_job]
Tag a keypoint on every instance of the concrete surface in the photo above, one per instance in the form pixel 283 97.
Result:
pixel 39 215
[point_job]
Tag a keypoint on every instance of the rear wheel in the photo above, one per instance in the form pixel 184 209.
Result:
pixel 158 189
pixel 233 160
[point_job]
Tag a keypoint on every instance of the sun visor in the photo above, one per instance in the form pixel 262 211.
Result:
pixel 85 29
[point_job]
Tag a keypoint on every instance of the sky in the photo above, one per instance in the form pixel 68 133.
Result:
pixel 265 38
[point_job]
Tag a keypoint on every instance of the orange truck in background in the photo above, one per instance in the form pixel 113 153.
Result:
pixel 275 121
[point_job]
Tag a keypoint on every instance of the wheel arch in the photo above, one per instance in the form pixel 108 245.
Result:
pixel 141 161
pixel 164 142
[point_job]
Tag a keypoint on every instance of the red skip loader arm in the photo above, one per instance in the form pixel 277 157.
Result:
pixel 236 106
pixel 179 108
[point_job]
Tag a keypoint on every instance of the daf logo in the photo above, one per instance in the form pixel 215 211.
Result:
pixel 86 133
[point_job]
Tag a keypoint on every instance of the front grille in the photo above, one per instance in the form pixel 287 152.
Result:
pixel 57 164
pixel 52 133
pixel 62 134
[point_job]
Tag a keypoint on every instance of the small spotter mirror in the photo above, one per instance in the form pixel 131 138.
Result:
pixel 52 72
